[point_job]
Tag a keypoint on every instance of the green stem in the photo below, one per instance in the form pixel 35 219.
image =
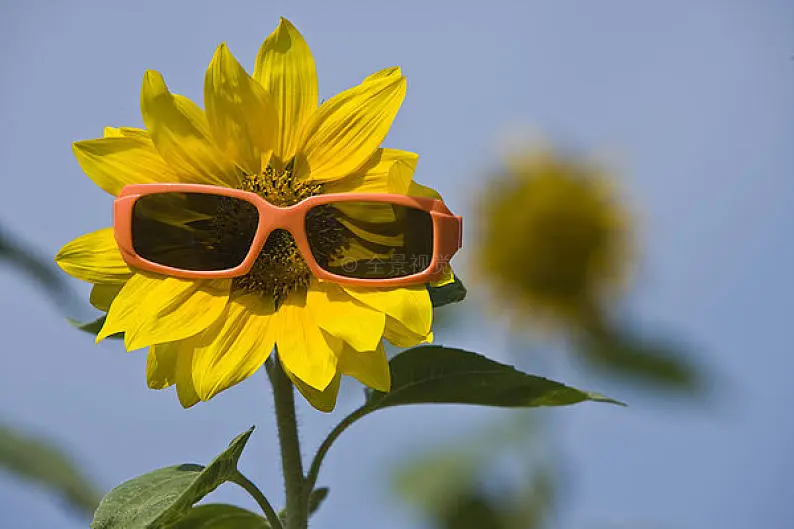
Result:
pixel 260 498
pixel 314 470
pixel 292 464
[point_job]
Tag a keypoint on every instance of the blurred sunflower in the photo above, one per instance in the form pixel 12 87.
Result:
pixel 263 133
pixel 555 241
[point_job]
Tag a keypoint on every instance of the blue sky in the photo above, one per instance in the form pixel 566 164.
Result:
pixel 695 101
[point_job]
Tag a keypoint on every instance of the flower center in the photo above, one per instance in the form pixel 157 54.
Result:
pixel 279 187
pixel 280 270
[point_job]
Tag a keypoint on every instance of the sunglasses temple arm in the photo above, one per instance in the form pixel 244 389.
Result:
pixel 450 236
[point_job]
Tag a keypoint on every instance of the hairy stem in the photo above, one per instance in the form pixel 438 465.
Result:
pixel 294 481
pixel 260 498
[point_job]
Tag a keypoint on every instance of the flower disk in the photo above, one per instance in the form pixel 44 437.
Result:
pixel 279 270
pixel 266 134
pixel 555 242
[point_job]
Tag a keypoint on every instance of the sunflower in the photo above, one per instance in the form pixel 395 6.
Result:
pixel 555 240
pixel 264 133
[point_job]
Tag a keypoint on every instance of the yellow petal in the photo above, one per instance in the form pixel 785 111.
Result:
pixel 171 363
pixel 185 389
pixel 324 400
pixel 182 135
pixel 240 115
pixel 410 306
pixel 347 129
pixel 418 190
pixel 156 309
pixel 161 364
pixel 371 368
pixel 95 258
pixel 387 171
pixel 399 335
pixel 130 132
pixel 342 316
pixel 103 294
pixel 235 346
pixel 285 67
pixel 304 349
pixel 115 161
pixel 382 74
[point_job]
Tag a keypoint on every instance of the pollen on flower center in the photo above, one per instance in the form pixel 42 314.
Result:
pixel 280 269
pixel 279 187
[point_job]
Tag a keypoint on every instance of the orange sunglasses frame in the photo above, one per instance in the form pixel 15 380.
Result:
pixel 447 231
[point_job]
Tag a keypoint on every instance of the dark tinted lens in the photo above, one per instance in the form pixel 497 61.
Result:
pixel 193 231
pixel 370 240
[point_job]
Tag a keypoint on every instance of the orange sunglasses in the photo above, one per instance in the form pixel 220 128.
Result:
pixel 201 231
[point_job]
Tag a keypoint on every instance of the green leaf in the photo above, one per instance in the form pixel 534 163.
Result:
pixel 40 270
pixel 431 480
pixel 27 262
pixel 537 501
pixel 40 461
pixel 93 327
pixel 435 374
pixel 316 498
pixel 473 510
pixel 618 353
pixel 449 293
pixel 163 496
pixel 220 516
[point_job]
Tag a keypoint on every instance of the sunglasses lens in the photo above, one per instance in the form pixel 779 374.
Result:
pixel 193 231
pixel 370 240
